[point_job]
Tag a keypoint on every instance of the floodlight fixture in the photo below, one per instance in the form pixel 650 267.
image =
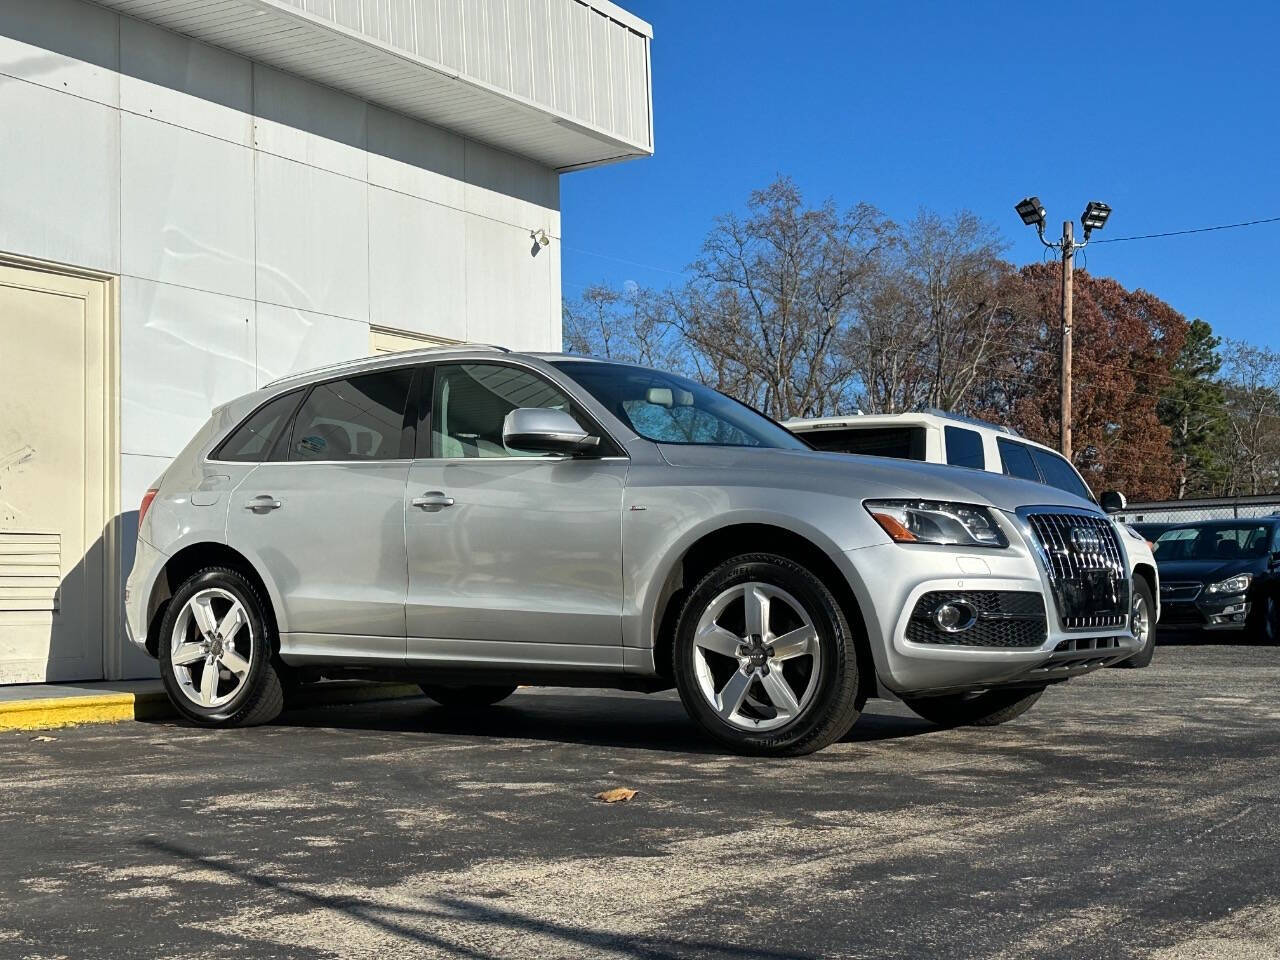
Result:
pixel 1031 212
pixel 1094 216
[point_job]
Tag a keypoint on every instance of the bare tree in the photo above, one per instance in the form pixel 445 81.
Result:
pixel 1252 388
pixel 772 295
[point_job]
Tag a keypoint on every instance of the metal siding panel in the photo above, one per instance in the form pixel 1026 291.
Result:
pixel 376 19
pixel 519 21
pixel 540 56
pixel 451 34
pixel 498 43
pixel 580 53
pixel 347 13
pixel 426 28
pixel 561 37
pixel 475 45
pixel 400 16
pixel 601 71
pixel 638 82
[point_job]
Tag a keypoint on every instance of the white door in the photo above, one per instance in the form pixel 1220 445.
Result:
pixel 53 485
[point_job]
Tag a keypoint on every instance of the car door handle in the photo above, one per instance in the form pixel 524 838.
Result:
pixel 263 503
pixel 432 500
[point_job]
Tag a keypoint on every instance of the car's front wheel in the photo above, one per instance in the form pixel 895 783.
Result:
pixel 764 658
pixel 216 649
pixel 1265 627
pixel 1142 620
pixel 987 708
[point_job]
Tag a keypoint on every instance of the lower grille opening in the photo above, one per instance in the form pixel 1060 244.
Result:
pixel 1000 618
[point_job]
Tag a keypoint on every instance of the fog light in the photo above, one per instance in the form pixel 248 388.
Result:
pixel 955 616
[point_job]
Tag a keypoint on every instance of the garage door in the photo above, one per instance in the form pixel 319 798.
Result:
pixel 53 485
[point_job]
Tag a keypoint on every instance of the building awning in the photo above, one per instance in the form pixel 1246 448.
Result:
pixel 563 82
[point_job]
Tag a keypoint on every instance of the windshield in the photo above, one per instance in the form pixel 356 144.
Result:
pixel 1218 542
pixel 668 409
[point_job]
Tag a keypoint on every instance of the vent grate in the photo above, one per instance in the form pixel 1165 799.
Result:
pixel 30 571
pixel 1087 569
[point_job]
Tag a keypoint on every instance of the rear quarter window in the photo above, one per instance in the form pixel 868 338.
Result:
pixel 964 448
pixel 254 439
pixel 902 443
pixel 1015 460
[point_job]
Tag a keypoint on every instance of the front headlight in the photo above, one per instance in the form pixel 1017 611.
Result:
pixel 1237 584
pixel 932 521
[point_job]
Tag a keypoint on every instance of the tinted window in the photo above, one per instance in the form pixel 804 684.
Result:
pixel 252 440
pixel 1229 541
pixel 964 448
pixel 670 409
pixel 1015 459
pixel 472 400
pixel 1057 472
pixel 903 443
pixel 360 418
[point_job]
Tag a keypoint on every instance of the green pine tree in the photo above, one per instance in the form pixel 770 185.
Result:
pixel 1193 407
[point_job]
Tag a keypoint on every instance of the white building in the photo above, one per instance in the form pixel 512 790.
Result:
pixel 198 196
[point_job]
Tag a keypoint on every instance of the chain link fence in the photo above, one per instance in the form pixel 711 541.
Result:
pixel 1191 511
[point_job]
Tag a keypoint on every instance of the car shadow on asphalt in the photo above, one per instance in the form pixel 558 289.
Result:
pixel 1203 638
pixel 429 923
pixel 601 721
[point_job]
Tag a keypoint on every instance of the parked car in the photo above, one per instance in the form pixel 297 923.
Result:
pixel 934 436
pixel 475 519
pixel 1151 531
pixel 1222 575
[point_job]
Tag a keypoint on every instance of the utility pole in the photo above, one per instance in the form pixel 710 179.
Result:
pixel 1094 218
pixel 1068 271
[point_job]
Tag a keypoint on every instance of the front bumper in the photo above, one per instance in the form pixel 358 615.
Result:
pixel 1215 613
pixel 893 578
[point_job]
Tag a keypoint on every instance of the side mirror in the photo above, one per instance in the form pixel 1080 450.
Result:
pixel 544 430
pixel 1112 501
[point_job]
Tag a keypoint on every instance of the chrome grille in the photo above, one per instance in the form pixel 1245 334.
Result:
pixel 1183 590
pixel 1086 569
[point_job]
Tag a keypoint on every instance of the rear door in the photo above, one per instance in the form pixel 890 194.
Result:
pixel 324 516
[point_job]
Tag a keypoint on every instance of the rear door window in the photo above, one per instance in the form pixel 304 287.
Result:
pixel 1015 460
pixel 359 418
pixel 902 443
pixel 254 439
pixel 1057 472
pixel 964 448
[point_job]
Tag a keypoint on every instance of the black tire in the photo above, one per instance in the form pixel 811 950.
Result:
pixel 476 695
pixel 260 697
pixel 986 709
pixel 1142 594
pixel 1264 627
pixel 831 707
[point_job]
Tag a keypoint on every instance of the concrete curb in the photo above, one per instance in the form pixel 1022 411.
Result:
pixel 52 712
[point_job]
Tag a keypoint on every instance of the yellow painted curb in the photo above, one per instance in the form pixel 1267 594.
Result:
pixel 53 712
pixel 44 714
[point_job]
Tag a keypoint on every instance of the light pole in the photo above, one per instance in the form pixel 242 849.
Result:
pixel 1094 218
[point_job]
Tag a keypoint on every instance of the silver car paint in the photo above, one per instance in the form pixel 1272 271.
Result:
pixel 562 563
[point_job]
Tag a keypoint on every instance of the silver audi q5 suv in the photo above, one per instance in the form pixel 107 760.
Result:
pixel 474 519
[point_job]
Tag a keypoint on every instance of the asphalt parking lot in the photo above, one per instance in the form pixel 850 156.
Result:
pixel 1131 814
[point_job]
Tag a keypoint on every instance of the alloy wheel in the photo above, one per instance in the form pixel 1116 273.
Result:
pixel 211 648
pixel 1141 620
pixel 756 656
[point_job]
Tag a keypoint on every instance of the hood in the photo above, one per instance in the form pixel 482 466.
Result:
pixel 1206 571
pixel 879 477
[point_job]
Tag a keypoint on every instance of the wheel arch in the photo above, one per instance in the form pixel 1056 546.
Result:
pixel 190 560
pixel 713 547
pixel 1148 573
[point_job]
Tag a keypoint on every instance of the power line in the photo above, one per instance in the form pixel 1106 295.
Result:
pixel 1182 233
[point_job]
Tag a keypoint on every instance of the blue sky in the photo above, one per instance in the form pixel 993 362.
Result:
pixel 1166 111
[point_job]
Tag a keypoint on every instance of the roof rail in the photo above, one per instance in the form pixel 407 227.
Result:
pixel 356 361
pixel 962 418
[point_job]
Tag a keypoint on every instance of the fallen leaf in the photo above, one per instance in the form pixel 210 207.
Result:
pixel 43 739
pixel 616 795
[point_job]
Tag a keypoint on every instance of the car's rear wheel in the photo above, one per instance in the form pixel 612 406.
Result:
pixel 476 695
pixel 986 708
pixel 1143 622
pixel 216 649
pixel 764 658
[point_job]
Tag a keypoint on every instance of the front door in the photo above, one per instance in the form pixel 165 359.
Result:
pixel 53 481
pixel 325 519
pixel 512 557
